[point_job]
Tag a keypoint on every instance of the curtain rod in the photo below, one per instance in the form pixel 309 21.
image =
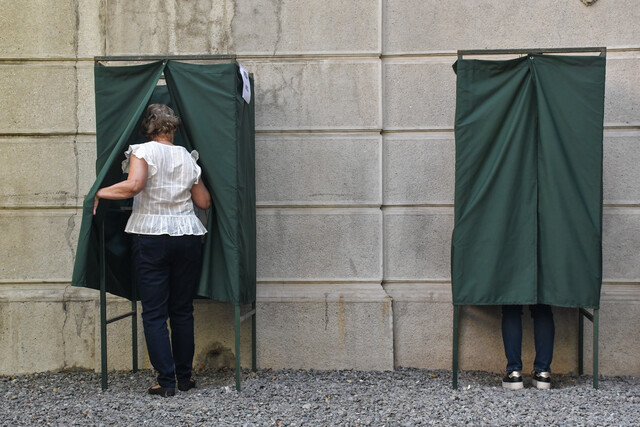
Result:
pixel 162 57
pixel 602 50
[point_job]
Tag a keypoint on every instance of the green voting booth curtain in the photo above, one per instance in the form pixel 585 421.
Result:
pixel 528 196
pixel 220 125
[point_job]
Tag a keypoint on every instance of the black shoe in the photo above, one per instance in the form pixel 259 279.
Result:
pixel 541 380
pixel 513 381
pixel 162 391
pixel 187 386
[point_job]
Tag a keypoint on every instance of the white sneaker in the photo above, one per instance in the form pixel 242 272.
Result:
pixel 541 380
pixel 513 381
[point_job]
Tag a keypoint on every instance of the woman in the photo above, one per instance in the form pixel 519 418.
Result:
pixel 164 181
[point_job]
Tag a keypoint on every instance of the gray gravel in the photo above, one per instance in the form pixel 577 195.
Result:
pixel 288 398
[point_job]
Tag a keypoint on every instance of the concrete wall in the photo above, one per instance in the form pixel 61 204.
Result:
pixel 354 168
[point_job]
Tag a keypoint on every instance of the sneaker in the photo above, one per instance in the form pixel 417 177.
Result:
pixel 513 381
pixel 541 380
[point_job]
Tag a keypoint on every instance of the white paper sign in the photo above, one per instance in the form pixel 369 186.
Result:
pixel 246 86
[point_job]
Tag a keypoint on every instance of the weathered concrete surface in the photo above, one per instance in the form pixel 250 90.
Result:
pixel 419 168
pixel 307 26
pixel 422 324
pixel 54 327
pixel 621 245
pixel 324 327
pixel 619 338
pixel 318 169
pixel 90 23
pixel 621 172
pixel 622 89
pixel 319 244
pixel 38 245
pixel 36 28
pixel 42 97
pixel 419 93
pixel 414 26
pixel 168 27
pixel 417 243
pixel 45 328
pixel 51 29
pixel 47 97
pixel 85 117
pixel 60 174
pixel 245 27
pixel 317 94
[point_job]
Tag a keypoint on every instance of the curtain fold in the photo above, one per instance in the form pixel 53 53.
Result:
pixel 121 95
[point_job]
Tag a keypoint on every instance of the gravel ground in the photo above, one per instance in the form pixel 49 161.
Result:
pixel 317 398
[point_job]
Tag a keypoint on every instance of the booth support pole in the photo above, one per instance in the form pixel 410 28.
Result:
pixel 580 343
pixel 595 320
pixel 455 347
pixel 237 325
pixel 103 311
pixel 134 327
pixel 254 359
pixel 596 332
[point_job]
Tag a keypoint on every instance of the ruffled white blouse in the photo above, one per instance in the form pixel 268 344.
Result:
pixel 164 206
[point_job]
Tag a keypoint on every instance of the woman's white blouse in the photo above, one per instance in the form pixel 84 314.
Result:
pixel 164 206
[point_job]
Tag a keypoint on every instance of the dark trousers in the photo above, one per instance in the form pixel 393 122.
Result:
pixel 167 271
pixel 543 332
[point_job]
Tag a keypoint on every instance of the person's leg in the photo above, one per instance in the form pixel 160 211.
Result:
pixel 185 275
pixel 152 277
pixel 543 332
pixel 512 336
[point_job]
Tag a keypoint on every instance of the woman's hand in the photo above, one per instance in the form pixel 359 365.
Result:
pixel 134 184
pixel 95 203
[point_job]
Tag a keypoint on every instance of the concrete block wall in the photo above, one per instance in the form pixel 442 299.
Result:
pixel 355 158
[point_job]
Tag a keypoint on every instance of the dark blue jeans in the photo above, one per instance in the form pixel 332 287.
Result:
pixel 167 271
pixel 543 332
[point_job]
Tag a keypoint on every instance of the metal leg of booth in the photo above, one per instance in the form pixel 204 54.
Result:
pixel 238 371
pixel 595 319
pixel 254 358
pixel 134 328
pixel 596 333
pixel 103 312
pixel 455 347
pixel 104 321
pixel 580 343
pixel 238 320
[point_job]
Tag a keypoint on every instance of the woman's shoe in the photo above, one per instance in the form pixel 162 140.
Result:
pixel 187 386
pixel 158 390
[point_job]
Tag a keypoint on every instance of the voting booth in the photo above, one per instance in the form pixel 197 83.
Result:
pixel 217 109
pixel 528 190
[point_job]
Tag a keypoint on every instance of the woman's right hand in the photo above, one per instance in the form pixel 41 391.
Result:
pixel 96 199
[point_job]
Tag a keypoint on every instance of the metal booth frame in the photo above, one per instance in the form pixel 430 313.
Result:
pixel 582 312
pixel 239 317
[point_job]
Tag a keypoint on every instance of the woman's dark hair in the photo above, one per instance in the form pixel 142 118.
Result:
pixel 159 119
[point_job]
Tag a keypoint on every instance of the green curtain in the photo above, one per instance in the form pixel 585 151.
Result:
pixel 220 125
pixel 528 197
